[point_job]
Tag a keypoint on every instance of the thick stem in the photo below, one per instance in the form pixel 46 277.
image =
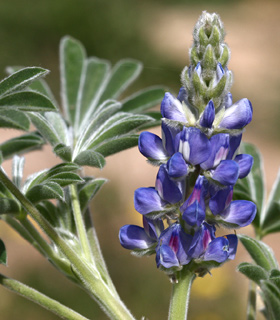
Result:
pixel 252 297
pixel 39 298
pixel 80 226
pixel 88 274
pixel 179 303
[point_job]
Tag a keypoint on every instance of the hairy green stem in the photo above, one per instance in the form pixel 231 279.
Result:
pixel 46 250
pixel 80 225
pixel 41 299
pixel 88 274
pixel 96 251
pixel 179 303
pixel 252 297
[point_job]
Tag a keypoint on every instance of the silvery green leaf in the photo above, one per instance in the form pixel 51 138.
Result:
pixel 21 79
pixel 118 125
pixel 253 272
pixel 15 119
pixel 143 100
pixel 121 76
pixel 65 178
pixel 91 86
pixel 9 206
pixel 90 158
pixel 55 174
pixel 72 64
pixel 117 144
pixel 40 192
pixel 253 184
pixel 62 151
pixel 59 126
pixel 260 252
pixel 88 190
pixel 104 112
pixel 21 144
pixel 156 116
pixel 3 253
pixel 45 128
pixel 27 101
pixel 270 220
pixel 38 85
pixel 271 297
pixel 17 170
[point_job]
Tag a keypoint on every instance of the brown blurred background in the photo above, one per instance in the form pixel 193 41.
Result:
pixel 157 32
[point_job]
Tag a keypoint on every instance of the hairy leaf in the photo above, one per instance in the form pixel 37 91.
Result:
pixel 72 64
pixel 21 144
pixel 122 75
pixel 260 252
pixel 253 272
pixel 27 101
pixel 15 119
pixel 90 158
pixel 143 100
pixel 21 79
pixel 49 190
pixel 9 206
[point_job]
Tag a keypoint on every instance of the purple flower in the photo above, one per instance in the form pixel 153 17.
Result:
pixel 172 108
pixel 159 199
pixel 156 149
pixel 238 115
pixel 206 247
pixel 141 239
pixel 173 245
pixel 193 208
pixel 219 169
pixel 194 146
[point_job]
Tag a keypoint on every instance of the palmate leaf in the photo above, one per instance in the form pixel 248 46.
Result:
pixel 49 190
pixel 252 187
pixel 90 158
pixel 86 83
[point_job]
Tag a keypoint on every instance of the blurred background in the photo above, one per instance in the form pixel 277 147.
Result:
pixel 158 33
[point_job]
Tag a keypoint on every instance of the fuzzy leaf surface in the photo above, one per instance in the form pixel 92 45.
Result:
pixel 46 191
pixel 143 100
pixel 72 59
pixel 9 206
pixel 21 144
pixel 90 158
pixel 27 101
pixel 122 75
pixel 21 79
pixel 14 119
pixel 260 252
pixel 253 272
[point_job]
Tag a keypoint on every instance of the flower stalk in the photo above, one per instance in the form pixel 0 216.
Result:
pixel 181 289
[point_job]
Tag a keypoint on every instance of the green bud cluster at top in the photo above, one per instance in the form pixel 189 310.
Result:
pixel 208 50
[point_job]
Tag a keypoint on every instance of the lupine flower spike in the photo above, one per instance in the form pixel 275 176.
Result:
pixel 198 163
